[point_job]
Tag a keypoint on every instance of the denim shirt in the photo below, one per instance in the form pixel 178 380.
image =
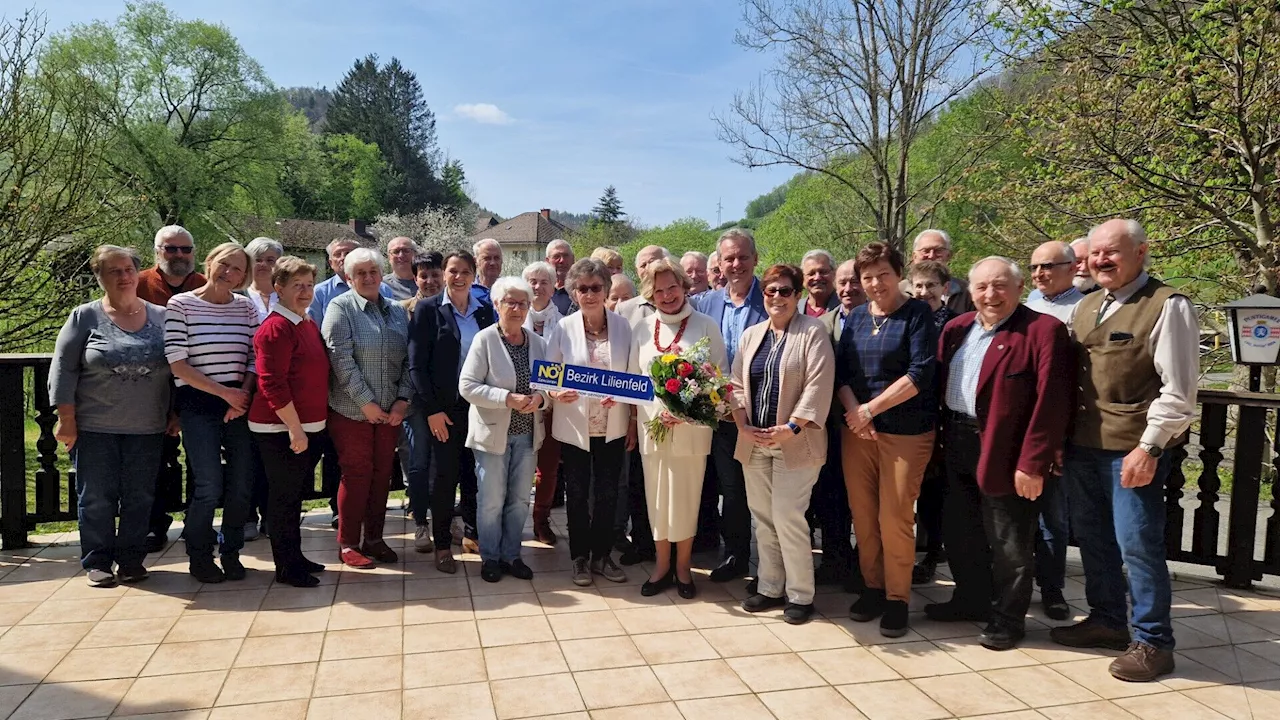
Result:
pixel 368 346
pixel 468 325
pixel 734 321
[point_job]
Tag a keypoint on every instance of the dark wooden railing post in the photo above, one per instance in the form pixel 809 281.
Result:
pixel 1237 567
pixel 48 478
pixel 1213 435
pixel 1173 512
pixel 13 459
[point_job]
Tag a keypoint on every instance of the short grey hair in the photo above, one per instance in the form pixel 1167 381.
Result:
pixel 819 254
pixel 1080 241
pixel 481 244
pixel 557 243
pixel 504 286
pixel 738 233
pixel 261 246
pixel 336 243
pixel 412 243
pixel 359 256
pixel 1014 270
pixel 946 239
pixel 169 231
pixel 695 254
pixel 713 258
pixel 1132 230
pixel 540 266
pixel 588 267
pixel 1064 250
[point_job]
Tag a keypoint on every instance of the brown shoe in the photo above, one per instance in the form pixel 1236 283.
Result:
pixel 1142 663
pixel 1090 634
pixel 470 546
pixel 445 562
pixel 543 533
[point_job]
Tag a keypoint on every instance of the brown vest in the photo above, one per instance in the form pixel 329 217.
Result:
pixel 1117 373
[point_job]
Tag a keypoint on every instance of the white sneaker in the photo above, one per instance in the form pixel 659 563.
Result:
pixel 100 578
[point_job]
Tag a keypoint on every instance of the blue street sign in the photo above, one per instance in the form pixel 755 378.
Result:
pixel 593 382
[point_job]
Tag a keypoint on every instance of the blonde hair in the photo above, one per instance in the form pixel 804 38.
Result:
pixel 289 266
pixel 220 254
pixel 606 255
pixel 649 276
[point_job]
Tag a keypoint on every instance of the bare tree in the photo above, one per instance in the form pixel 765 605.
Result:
pixel 855 84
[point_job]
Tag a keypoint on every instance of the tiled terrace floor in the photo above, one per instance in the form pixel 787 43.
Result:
pixel 407 641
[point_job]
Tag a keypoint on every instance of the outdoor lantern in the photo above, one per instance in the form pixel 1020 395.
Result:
pixel 1253 325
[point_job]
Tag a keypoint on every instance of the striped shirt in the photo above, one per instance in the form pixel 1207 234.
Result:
pixel 766 380
pixel 216 339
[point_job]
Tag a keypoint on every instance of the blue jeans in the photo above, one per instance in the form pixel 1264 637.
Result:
pixel 115 474
pixel 1118 527
pixel 204 438
pixel 502 497
pixel 415 461
pixel 1051 542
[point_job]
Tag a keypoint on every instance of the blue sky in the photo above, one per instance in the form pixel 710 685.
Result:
pixel 584 93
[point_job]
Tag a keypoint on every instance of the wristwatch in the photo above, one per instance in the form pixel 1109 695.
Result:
pixel 1154 451
pixel 795 429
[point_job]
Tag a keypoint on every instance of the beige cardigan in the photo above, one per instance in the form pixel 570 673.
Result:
pixel 807 385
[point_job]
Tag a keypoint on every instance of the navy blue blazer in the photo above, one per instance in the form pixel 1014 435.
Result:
pixel 434 345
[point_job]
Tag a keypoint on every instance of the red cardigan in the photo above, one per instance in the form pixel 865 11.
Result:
pixel 293 367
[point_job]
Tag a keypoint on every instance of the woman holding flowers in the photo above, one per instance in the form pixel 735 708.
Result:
pixel 783 380
pixel 673 450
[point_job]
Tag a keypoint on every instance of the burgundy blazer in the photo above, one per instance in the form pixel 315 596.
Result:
pixel 1025 395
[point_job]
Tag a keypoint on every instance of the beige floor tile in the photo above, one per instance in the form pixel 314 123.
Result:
pixel 433 588
pixel 580 626
pixel 1190 674
pixel 371 674
pixel 1039 686
pixel 167 693
pixel 280 710
pixel 601 653
pixel 653 620
pixel 1168 705
pixel 280 650
pixel 619 687
pixel 1266 619
pixel 229 601
pixel 1235 702
pixel 813 635
pixel 113 633
pixel 744 641
pixel 868 633
pixel 40 638
pixel 968 694
pixel 577 600
pixel 931 630
pixel 28 667
pixel 769 673
pixel 289 622
pixel 361 643
pixel 489 607
pixel 655 711
pixel 918 659
pixel 12 696
pixel 514 631
pixel 94 698
pixel 1093 676
pixel 892 700
pixel 379 592
pixel 847 666
pixel 1235 664
pixel 65 611
pixel 738 707
pixel 11 613
pixel 701 679
pixel 970 652
pixel 674 647
pixel 819 703
pixel 149 606
pixel 201 656
pixel 267 684
pixel 366 706
pixel 438 610
pixel 291 598
pixel 101 663
pixel 40 590
pixel 352 617
pixel 1243 632
pixel 1098 710
pixel 1269 650
pixel 543 695
pixel 220 626
pixel 441 636
pixel 716 615
pixel 629 598
pixel 1040 648
pixel 1015 715
pixel 457 702
pixel 444 667
pixel 516 661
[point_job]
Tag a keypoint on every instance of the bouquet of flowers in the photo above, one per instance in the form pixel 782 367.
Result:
pixel 690 387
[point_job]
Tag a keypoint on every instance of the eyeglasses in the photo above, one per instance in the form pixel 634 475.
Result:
pixel 172 249
pixel 515 304
pixel 592 289
pixel 1049 266
pixel 783 291
pixel 928 285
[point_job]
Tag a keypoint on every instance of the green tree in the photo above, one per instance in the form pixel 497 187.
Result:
pixel 454 180
pixel 608 209
pixel 335 177
pixel 679 236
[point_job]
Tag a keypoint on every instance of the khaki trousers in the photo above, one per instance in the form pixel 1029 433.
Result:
pixel 883 479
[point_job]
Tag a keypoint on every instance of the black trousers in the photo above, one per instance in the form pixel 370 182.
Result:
pixel 735 517
pixel 930 504
pixel 165 490
pixel 638 504
pixel 330 473
pixel 287 474
pixel 990 539
pixel 830 505
pixel 709 509
pixel 591 495
pixel 455 468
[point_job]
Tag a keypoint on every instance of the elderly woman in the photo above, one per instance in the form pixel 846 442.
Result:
pixel 443 329
pixel 288 412
pixel 543 318
pixel 110 384
pixel 593 432
pixel 620 291
pixel 673 469
pixel 208 336
pixel 885 382
pixel 611 258
pixel 367 338
pixel 783 379
pixel 505 427
pixel 929 280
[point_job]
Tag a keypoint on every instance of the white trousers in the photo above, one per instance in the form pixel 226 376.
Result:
pixel 778 499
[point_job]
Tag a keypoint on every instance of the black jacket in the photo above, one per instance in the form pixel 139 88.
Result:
pixel 434 345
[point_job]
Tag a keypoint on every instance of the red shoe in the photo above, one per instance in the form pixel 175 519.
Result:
pixel 355 559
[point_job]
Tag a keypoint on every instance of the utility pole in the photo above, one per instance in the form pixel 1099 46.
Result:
pixel 719 207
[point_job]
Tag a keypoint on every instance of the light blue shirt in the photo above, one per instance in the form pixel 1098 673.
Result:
pixel 1060 306
pixel 468 325
pixel 734 321
pixel 966 366
pixel 326 291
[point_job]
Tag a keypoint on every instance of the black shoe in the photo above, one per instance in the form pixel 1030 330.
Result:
pixel 759 603
pixel 1055 606
pixel 380 552
pixel 998 637
pixel 623 544
pixel 893 623
pixel 923 572
pixel 310 566
pixel 490 571
pixel 232 568
pixel 206 571
pixel 297 578
pixel 686 590
pixel 797 614
pixel 653 587
pixel 731 568
pixel 753 586
pixel 854 582
pixel 334 522
pixel 831 572
pixel 131 575
pixel 952 611
pixel 868 607
pixel 154 543
pixel 1091 633
pixel 517 570
pixel 629 558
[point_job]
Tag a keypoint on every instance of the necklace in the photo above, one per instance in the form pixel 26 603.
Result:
pixel 875 326
pixel 596 332
pixel 130 313
pixel 657 325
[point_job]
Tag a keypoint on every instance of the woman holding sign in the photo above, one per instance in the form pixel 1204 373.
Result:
pixel 593 432
pixel 673 468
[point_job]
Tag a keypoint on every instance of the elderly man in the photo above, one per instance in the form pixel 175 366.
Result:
pixel 715 278
pixel 936 245
pixel 560 256
pixel 1138 365
pixel 819 269
pixel 326 291
pixel 488 253
pixel 735 307
pixel 621 289
pixel 694 264
pixel 1004 374
pixel 1083 281
pixel 637 308
pixel 401 251
pixel 1053 268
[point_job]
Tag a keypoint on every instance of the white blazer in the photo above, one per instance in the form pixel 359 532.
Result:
pixel 488 376
pixel 568 343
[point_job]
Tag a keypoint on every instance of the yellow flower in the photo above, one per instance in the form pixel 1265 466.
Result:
pixel 669 358
pixel 715 397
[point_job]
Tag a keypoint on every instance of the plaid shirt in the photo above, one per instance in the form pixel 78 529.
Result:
pixel 368 353
pixel 905 345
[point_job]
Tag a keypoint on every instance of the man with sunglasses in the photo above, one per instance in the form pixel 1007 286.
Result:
pixel 1053 272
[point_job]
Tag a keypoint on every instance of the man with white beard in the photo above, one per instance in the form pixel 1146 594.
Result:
pixel 1084 281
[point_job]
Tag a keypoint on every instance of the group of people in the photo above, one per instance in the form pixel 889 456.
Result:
pixel 869 398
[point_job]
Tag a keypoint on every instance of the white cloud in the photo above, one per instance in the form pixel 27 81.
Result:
pixel 484 113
